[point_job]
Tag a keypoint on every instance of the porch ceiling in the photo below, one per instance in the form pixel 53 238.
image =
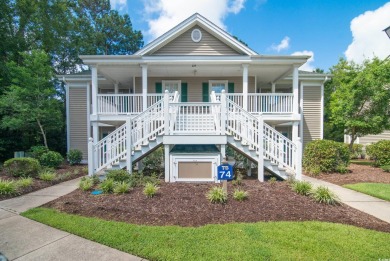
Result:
pixel 124 73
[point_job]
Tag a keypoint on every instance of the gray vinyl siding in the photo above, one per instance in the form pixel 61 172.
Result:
pixel 195 85
pixel 369 139
pixel 208 45
pixel 78 120
pixel 311 113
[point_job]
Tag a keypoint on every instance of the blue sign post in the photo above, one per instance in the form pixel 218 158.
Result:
pixel 225 172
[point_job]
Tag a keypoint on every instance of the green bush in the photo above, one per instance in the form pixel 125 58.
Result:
pixel 153 162
pixel 357 151
pixel 51 159
pixel 139 179
pixel 121 187
pixel 37 151
pixel 74 156
pixel 118 175
pixel 86 183
pixel 107 186
pixel 150 189
pixel 302 187
pixel 379 152
pixel 47 175
pixel 386 168
pixel 217 195
pixel 22 167
pixel 7 187
pixel 324 195
pixel 240 195
pixel 325 156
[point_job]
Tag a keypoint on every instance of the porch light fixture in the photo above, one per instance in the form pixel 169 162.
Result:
pixel 387 31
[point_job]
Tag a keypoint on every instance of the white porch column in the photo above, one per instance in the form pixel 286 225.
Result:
pixel 167 162
pixel 116 88
pixel 273 87
pixel 129 162
pixel 260 163
pixel 295 90
pixel 95 133
pixel 144 86
pixel 245 86
pixel 295 130
pixel 94 89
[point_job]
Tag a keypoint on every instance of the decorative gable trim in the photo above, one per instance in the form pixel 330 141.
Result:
pixel 193 20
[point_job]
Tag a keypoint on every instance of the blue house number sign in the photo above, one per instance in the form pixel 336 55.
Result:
pixel 225 172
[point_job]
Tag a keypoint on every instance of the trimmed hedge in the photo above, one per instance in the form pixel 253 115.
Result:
pixel 380 152
pixel 357 151
pixel 51 159
pixel 325 156
pixel 74 156
pixel 22 167
pixel 37 151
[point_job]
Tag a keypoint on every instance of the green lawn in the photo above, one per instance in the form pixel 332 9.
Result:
pixel 239 241
pixel 378 190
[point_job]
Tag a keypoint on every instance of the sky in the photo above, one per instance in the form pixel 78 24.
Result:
pixel 325 29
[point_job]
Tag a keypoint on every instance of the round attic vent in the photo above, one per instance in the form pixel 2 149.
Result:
pixel 196 35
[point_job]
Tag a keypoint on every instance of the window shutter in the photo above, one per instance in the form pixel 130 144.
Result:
pixel 158 87
pixel 184 92
pixel 231 87
pixel 205 92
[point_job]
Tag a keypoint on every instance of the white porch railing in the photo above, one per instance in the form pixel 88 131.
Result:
pixel 221 116
pixel 264 102
pixel 116 104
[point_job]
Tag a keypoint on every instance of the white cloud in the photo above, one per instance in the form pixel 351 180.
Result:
pixel 284 44
pixel 369 40
pixel 162 15
pixel 308 66
pixel 118 4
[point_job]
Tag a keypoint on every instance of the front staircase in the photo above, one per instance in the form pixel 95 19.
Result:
pixel 245 133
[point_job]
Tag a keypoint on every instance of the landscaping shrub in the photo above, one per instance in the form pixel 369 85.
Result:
pixel 51 159
pixel 86 183
pixel 118 175
pixel 37 151
pixel 139 179
pixel 22 167
pixel 121 187
pixel 386 168
pixel 24 182
pixel 216 195
pixel 302 187
pixel 74 156
pixel 379 152
pixel 324 195
pixel 7 187
pixel 240 195
pixel 107 186
pixel 153 162
pixel 47 175
pixel 272 180
pixel 150 189
pixel 325 156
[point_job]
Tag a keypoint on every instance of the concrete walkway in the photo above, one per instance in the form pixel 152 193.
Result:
pixel 25 239
pixel 375 207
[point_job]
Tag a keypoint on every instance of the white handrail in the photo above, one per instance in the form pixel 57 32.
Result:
pixel 244 126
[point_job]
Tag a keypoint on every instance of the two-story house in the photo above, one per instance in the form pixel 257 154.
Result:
pixel 194 90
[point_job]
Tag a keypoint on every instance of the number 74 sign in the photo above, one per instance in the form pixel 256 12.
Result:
pixel 225 172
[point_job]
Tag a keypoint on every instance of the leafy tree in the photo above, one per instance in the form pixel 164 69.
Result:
pixel 361 97
pixel 30 103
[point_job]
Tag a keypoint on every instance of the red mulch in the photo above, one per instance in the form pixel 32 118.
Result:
pixel 40 184
pixel 357 174
pixel 185 204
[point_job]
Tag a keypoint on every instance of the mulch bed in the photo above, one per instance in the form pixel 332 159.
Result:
pixel 185 204
pixel 357 174
pixel 76 171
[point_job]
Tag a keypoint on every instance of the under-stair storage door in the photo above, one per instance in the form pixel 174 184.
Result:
pixel 194 168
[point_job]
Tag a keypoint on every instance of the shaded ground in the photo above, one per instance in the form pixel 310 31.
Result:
pixel 358 174
pixel 185 204
pixel 64 173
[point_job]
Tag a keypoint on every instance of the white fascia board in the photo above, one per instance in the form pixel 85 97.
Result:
pixel 195 19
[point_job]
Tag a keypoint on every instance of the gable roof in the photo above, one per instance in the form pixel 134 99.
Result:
pixel 195 19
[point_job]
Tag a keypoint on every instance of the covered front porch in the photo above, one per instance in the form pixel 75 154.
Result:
pixel 129 85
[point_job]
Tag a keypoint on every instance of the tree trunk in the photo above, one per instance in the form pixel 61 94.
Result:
pixel 43 133
pixel 353 138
